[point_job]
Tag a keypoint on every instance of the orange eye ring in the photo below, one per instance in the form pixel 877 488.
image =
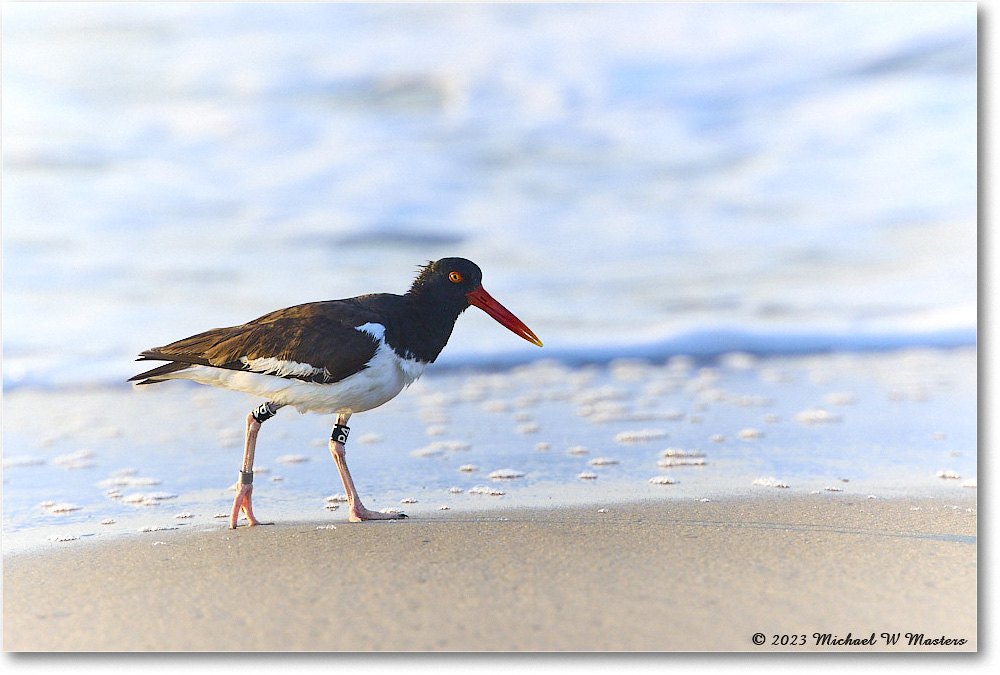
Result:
pixel 455 277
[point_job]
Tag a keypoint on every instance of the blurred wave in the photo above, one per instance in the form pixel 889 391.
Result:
pixel 633 179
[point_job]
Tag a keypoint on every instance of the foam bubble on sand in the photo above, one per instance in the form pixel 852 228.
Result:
pixel 326 527
pixel 656 415
pixel 602 461
pixel 63 537
pixel 108 521
pixel 718 438
pixel 454 489
pixel 750 434
pixel 602 411
pixel 678 452
pixel 81 459
pixel 841 398
pixel 770 481
pixel 542 447
pixel 389 510
pixel 436 430
pixel 127 480
pixel 292 459
pixel 502 474
pixel 599 394
pixel 64 507
pixel 528 428
pixel 947 473
pixel 22 460
pixel 221 515
pixel 639 436
pixel 157 528
pixel 484 490
pixel 680 461
pixel 444 507
pixel 577 450
pixel 662 480
pixel 468 468
pixel 147 498
pixel 830 488
pixel 276 479
pixel 337 498
pixel 971 483
pixel 184 516
pixel 407 500
pixel 431 450
pixel 330 506
pixel 815 416
pixel 587 475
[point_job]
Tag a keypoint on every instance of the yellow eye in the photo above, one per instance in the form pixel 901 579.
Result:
pixel 455 277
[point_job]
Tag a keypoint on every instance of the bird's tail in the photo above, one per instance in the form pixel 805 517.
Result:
pixel 158 374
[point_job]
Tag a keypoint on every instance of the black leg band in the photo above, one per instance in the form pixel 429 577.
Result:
pixel 264 412
pixel 246 478
pixel 340 433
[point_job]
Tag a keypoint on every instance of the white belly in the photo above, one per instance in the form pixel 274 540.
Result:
pixel 386 375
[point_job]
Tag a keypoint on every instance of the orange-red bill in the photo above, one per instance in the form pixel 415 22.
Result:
pixel 484 301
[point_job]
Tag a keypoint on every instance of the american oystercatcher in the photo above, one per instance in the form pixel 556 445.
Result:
pixel 336 357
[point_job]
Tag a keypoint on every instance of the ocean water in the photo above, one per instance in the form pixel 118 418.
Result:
pixel 639 181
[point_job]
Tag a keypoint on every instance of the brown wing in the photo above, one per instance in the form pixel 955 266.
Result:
pixel 323 335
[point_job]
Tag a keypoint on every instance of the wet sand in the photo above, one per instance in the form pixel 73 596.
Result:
pixel 678 576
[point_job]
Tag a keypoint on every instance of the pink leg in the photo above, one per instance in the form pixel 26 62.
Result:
pixel 244 490
pixel 356 510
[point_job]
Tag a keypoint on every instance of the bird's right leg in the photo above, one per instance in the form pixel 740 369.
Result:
pixel 356 511
pixel 244 486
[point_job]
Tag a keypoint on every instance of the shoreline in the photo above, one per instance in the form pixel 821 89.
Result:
pixel 647 576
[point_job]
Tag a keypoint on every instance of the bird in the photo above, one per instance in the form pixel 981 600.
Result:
pixel 335 357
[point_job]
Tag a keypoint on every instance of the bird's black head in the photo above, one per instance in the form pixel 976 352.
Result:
pixel 447 282
pixel 450 285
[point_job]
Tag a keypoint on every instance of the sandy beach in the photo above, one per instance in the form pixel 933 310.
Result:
pixel 685 576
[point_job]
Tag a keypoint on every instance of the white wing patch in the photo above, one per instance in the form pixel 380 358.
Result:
pixel 376 330
pixel 281 367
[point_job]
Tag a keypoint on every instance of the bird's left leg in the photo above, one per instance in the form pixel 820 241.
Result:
pixel 356 510
pixel 244 486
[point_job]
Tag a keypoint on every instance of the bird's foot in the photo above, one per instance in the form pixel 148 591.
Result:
pixel 360 513
pixel 243 503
